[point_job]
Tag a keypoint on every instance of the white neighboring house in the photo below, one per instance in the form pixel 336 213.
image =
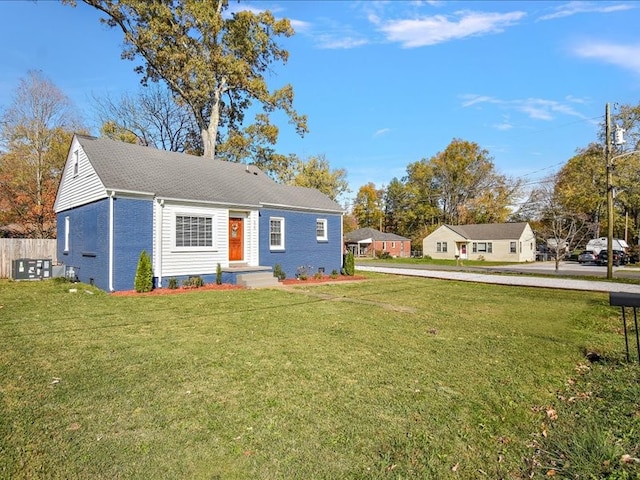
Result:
pixel 501 242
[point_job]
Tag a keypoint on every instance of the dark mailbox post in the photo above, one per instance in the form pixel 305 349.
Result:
pixel 627 300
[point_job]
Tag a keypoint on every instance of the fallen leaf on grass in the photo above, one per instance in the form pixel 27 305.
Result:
pixel 74 426
pixel 626 458
pixel 455 467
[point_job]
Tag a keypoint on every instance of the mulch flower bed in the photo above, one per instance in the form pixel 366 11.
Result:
pixel 173 291
pixel 228 286
pixel 325 279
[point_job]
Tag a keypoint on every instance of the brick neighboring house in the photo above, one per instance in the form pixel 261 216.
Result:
pixel 365 242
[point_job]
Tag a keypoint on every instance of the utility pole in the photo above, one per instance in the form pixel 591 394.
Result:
pixel 607 156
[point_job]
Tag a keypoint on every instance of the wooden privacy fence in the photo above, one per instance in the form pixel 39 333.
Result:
pixel 15 248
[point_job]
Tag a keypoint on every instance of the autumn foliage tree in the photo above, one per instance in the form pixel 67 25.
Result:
pixel 367 207
pixel 468 186
pixel 315 172
pixel 36 132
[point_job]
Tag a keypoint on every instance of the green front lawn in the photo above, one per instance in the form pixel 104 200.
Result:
pixel 389 378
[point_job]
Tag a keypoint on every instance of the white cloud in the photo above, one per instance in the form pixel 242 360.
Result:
pixel 382 131
pixel 534 108
pixel 436 29
pixel 504 125
pixel 625 56
pixel 300 26
pixel 472 99
pixel 331 42
pixel 575 8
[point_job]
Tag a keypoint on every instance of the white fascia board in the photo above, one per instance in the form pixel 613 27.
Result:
pixel 298 208
pixel 210 202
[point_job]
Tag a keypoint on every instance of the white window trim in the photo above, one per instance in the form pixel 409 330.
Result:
pixel 282 232
pixel 175 248
pixel 324 237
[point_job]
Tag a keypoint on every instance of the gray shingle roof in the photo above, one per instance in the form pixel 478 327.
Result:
pixel 365 233
pixel 490 231
pixel 127 167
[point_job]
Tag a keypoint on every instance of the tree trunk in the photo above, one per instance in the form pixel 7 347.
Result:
pixel 210 132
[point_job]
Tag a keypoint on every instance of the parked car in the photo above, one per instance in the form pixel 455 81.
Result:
pixel 619 258
pixel 588 256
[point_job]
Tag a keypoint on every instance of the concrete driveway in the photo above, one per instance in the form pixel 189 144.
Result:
pixel 492 275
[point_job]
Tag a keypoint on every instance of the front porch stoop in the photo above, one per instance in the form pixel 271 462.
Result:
pixel 263 279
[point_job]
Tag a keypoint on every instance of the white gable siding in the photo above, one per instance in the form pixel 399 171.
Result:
pixel 441 234
pixel 527 245
pixel 80 189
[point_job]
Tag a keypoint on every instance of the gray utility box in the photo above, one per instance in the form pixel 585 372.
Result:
pixel 31 269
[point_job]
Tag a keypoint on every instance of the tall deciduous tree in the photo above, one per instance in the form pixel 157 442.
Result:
pixel 212 61
pixel 315 172
pixel 421 207
pixel 395 205
pixel 367 207
pixel 36 132
pixel 469 188
pixel 580 186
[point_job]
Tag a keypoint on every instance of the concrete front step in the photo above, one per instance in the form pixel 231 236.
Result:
pixel 258 280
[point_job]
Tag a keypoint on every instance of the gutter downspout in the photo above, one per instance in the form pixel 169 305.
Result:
pixel 159 244
pixel 111 229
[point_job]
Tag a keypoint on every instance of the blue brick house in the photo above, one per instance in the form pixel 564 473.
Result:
pixel 190 214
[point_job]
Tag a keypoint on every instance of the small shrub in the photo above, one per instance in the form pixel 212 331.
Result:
pixel 144 273
pixel 219 275
pixel 172 284
pixel 349 264
pixel 318 276
pixel 303 271
pixel 334 273
pixel 427 257
pixel 193 282
pixel 278 272
pixel 382 254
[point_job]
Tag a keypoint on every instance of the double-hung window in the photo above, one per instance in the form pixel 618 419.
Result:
pixel 512 247
pixel 194 231
pixel 321 230
pixel 276 233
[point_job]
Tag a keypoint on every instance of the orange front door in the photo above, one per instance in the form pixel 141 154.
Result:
pixel 236 250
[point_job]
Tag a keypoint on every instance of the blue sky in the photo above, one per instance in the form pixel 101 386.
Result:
pixel 387 83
